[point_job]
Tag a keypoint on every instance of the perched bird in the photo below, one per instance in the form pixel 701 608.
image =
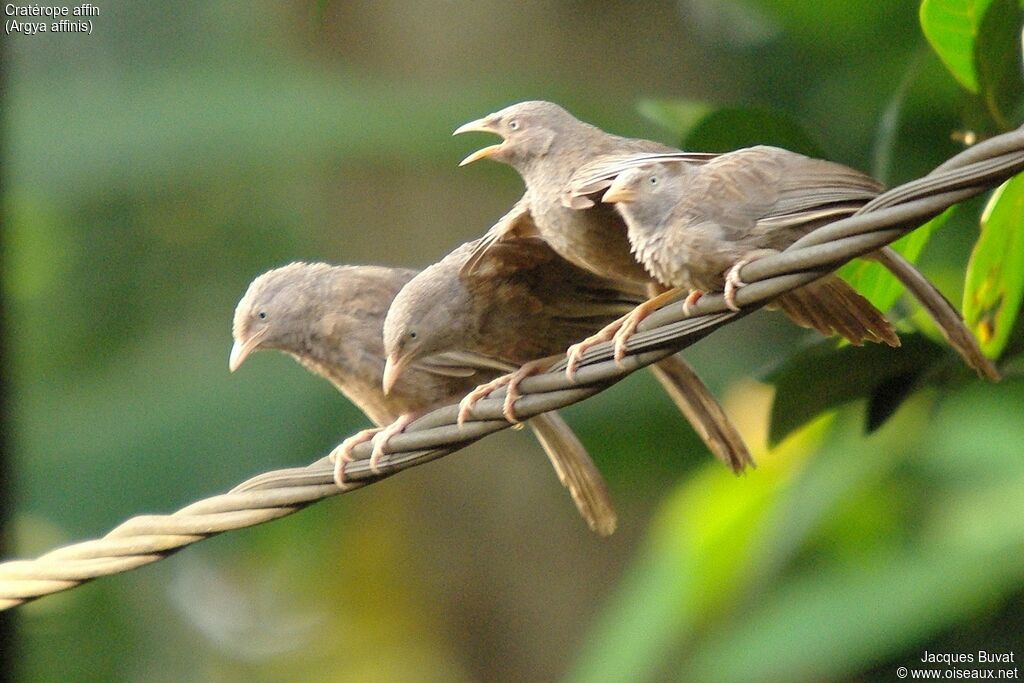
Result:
pixel 547 145
pixel 518 310
pixel 330 319
pixel 563 161
pixel 695 226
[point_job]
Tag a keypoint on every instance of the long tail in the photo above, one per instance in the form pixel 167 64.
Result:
pixel 831 306
pixel 697 404
pixel 941 311
pixel 576 471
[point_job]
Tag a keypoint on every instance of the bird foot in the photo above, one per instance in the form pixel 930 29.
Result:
pixel 342 454
pixel 575 353
pixel 733 284
pixel 626 331
pixel 691 300
pixel 512 393
pixel 512 380
pixel 380 440
pixel 627 324
pixel 466 404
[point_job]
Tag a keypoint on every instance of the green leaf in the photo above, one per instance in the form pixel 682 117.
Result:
pixel 952 28
pixel 700 127
pixel 822 377
pixel 913 134
pixel 888 396
pixel 676 116
pixel 877 284
pixel 995 273
pixel 997 59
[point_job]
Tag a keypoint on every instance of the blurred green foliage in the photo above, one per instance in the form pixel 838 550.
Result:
pixel 153 168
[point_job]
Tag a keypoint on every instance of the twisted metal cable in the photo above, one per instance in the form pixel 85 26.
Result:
pixel 149 538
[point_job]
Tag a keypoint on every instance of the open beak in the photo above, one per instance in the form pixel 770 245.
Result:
pixel 479 126
pixel 393 368
pixel 241 350
pixel 619 193
pixel 488 151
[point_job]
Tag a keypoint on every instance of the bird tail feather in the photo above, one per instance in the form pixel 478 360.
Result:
pixel 705 414
pixel 576 471
pixel 942 312
pixel 831 306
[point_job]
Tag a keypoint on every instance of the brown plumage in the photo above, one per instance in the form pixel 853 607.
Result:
pixel 547 146
pixel 550 148
pixel 330 319
pixel 694 225
pixel 521 303
pixel 520 307
pixel 564 161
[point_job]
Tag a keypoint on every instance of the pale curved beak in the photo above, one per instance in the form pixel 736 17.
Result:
pixel 393 368
pixel 242 349
pixel 479 126
pixel 488 151
pixel 483 125
pixel 619 193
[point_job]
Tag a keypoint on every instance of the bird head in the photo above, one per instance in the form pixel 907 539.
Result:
pixel 527 130
pixel 404 338
pixel 624 189
pixel 647 192
pixel 657 183
pixel 422 320
pixel 269 313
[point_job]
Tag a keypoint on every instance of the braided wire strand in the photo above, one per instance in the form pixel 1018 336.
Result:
pixel 146 539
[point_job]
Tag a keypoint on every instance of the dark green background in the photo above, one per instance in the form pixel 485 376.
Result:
pixel 152 169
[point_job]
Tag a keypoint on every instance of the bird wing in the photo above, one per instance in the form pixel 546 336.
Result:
pixel 597 175
pixel 510 257
pixel 460 363
pixel 518 222
pixel 771 191
pixel 807 185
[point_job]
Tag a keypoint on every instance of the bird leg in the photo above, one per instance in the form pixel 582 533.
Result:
pixel 733 283
pixel 342 454
pixel 620 330
pixel 732 278
pixel 380 440
pixel 691 299
pixel 576 351
pixel 512 380
pixel 636 316
pixel 512 393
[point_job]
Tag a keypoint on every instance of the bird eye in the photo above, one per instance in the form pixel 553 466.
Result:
pixel 262 315
pixel 654 180
pixel 513 124
pixel 412 335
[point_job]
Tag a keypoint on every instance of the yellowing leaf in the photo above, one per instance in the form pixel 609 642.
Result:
pixel 995 274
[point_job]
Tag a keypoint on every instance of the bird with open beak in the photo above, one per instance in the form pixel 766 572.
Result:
pixel 330 319
pixel 564 162
pixel 546 145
